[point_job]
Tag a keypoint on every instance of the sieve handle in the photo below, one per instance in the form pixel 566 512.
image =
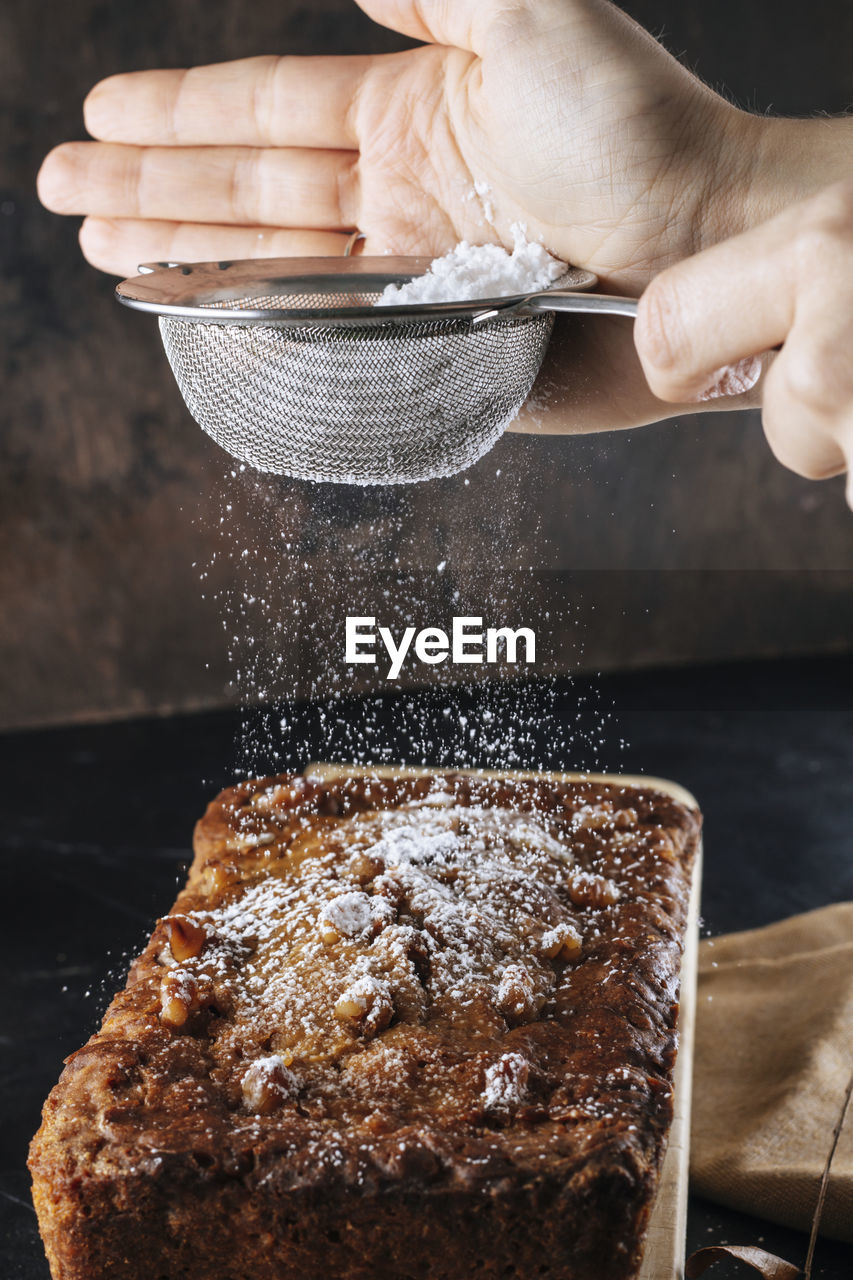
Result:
pixel 565 300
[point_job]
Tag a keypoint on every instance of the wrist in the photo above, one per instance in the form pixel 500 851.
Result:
pixel 766 164
pixel 735 167
pixel 720 170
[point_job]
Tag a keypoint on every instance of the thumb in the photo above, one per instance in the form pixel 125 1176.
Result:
pixel 460 23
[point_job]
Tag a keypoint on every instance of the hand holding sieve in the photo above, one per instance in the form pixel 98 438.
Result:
pixel 291 367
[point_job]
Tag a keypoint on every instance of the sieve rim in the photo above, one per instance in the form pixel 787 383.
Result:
pixel 197 291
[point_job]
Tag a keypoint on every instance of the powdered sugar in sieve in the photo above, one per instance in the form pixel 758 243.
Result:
pixel 293 368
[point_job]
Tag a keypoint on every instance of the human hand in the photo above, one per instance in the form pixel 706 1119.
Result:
pixel 580 124
pixel 704 324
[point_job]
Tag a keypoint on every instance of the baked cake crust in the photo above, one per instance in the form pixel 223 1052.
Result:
pixel 413 1027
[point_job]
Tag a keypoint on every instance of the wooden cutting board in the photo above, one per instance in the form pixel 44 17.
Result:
pixel 665 1241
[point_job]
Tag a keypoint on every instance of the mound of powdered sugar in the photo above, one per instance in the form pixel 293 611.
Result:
pixel 480 271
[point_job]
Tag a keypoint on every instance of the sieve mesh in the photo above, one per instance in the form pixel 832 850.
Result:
pixel 331 298
pixel 378 403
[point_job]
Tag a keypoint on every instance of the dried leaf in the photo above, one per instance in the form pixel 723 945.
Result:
pixel 766 1264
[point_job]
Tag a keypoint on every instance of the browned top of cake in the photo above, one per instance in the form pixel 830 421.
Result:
pixel 440 977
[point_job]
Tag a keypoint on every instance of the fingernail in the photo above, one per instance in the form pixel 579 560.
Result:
pixel 733 379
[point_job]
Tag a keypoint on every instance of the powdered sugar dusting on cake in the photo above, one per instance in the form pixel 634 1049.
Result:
pixel 267 1083
pixel 506 1083
pixel 353 915
pixel 418 914
pixel 367 1004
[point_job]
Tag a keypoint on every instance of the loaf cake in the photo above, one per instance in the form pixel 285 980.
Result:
pixel 412 1027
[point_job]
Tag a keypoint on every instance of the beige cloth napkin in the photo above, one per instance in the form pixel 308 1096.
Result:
pixel 774 1055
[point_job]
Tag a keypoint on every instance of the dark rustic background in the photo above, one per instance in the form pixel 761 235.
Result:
pixel 122 574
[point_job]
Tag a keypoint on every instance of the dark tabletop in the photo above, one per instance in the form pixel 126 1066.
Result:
pixel 97 822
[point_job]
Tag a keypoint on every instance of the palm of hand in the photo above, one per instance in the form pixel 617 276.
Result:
pixel 581 143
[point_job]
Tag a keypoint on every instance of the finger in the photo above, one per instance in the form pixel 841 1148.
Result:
pixel 591 380
pixel 119 245
pixel 741 297
pixel 800 439
pixel 254 102
pixel 700 321
pixel 808 397
pixel 460 23
pixel 242 186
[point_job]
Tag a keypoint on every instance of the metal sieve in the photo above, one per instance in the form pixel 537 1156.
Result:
pixel 290 367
